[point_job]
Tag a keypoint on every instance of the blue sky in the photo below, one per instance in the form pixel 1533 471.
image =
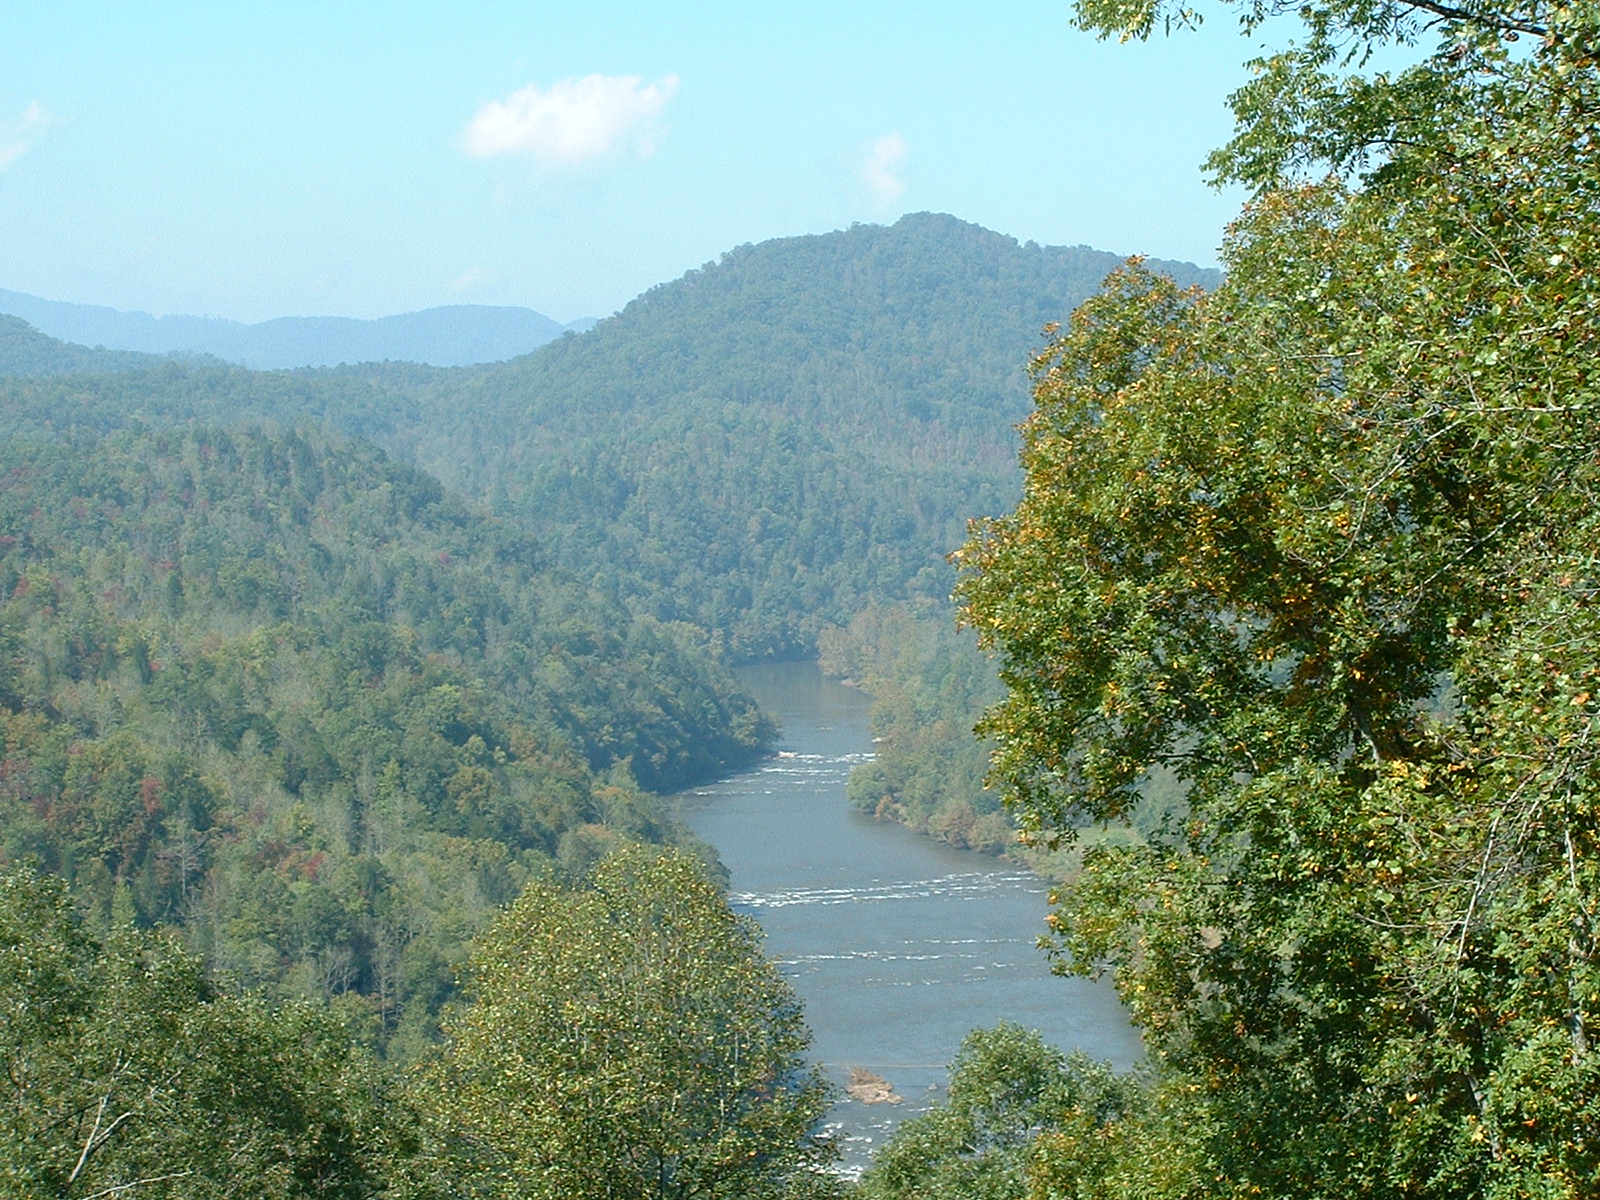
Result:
pixel 258 160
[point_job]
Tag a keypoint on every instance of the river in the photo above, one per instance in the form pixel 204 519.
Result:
pixel 897 945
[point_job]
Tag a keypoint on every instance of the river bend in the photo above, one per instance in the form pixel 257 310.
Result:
pixel 897 945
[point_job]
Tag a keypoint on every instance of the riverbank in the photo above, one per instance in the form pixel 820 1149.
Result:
pixel 898 946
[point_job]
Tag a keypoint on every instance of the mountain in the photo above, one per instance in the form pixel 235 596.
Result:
pixel 454 335
pixel 769 443
pixel 760 448
pixel 262 680
pixel 939 314
pixel 26 351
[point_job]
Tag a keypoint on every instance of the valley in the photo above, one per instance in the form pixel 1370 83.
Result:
pixel 272 686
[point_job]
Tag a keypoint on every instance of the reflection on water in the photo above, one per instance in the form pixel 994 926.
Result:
pixel 897 945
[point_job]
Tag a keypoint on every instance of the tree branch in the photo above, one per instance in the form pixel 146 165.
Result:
pixel 1490 20
pixel 118 1188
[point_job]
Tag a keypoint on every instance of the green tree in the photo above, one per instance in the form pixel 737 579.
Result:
pixel 1008 1089
pixel 126 1073
pixel 1321 544
pixel 628 1039
pixel 929 684
pixel 312 714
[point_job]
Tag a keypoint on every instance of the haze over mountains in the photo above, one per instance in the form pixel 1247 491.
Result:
pixel 450 336
pixel 759 448
pixel 321 665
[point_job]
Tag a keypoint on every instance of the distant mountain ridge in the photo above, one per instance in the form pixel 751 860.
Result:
pixel 760 448
pixel 454 335
pixel 771 442
pixel 26 351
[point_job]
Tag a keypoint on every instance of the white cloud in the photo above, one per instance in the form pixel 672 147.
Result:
pixel 469 279
pixel 881 171
pixel 572 121
pixel 16 136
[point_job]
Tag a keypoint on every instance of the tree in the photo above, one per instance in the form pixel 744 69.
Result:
pixel 1320 543
pixel 628 1039
pixel 1008 1089
pixel 323 748
pixel 127 1074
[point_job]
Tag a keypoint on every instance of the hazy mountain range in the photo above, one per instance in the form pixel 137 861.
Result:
pixel 321 665
pixel 759 448
pixel 454 335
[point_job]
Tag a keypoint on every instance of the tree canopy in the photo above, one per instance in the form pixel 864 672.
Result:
pixel 286 697
pixel 1321 544
pixel 718 452
pixel 628 1039
pixel 127 1073
pixel 1008 1090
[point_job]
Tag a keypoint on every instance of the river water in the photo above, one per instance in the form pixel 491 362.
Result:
pixel 897 945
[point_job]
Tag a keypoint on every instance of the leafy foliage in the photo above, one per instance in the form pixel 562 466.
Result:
pixel 1010 1093
pixel 1321 543
pixel 718 453
pixel 629 1039
pixel 1356 90
pixel 929 686
pixel 127 1072
pixel 293 700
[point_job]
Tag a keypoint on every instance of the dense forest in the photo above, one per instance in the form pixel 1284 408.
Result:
pixel 293 722
pixel 1293 601
pixel 287 697
pixel 25 351
pixel 929 685
pixel 760 448
pixel 715 454
pixel 780 438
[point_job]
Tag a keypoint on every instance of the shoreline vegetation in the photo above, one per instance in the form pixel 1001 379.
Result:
pixel 930 686
pixel 306 676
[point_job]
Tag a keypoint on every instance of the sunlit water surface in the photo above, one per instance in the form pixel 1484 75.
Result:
pixel 897 945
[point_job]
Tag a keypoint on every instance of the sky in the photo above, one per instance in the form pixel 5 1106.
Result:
pixel 251 161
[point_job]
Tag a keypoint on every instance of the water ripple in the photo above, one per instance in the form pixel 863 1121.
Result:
pixel 792 763
pixel 971 883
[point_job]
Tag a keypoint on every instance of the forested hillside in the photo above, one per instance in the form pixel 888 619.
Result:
pixel 929 684
pixel 287 696
pixel 765 448
pixel 268 687
pixel 772 442
pixel 762 447
pixel 54 388
pixel 1315 548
